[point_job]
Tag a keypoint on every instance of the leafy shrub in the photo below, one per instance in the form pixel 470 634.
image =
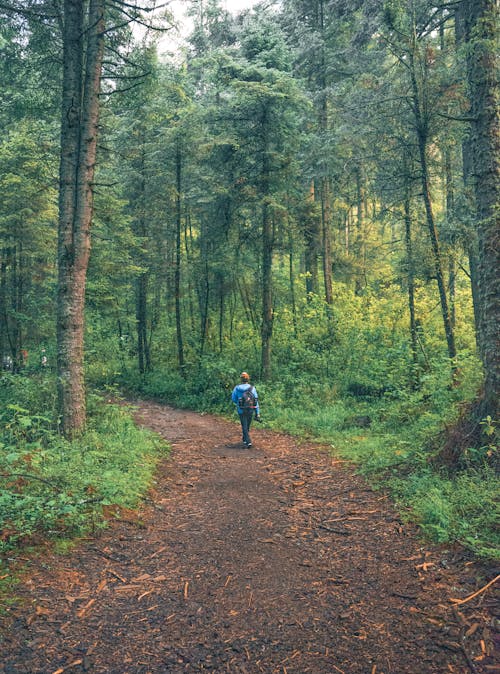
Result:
pixel 52 487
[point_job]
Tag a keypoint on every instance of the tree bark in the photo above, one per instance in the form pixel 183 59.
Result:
pixel 267 257
pixel 291 280
pixel 79 132
pixel 177 277
pixel 310 227
pixel 481 27
pixel 421 123
pixel 141 295
pixel 3 307
pixel 411 292
pixel 467 171
pixel 141 282
pixel 359 244
pixel 327 243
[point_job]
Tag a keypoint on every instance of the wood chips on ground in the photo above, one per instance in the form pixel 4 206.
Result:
pixel 275 559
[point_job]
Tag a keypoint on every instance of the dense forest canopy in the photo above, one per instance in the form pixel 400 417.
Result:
pixel 307 190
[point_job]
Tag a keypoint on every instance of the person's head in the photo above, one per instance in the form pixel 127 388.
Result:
pixel 245 377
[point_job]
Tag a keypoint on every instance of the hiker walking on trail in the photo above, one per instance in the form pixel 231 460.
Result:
pixel 245 398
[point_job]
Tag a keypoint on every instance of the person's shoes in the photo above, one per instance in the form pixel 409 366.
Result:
pixel 249 444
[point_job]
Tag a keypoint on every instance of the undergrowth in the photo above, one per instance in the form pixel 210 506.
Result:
pixel 385 433
pixel 52 488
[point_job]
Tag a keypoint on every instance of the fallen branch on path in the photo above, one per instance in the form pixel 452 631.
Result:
pixel 483 589
pixel 342 532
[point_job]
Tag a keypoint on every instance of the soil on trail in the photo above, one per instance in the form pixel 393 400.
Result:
pixel 273 559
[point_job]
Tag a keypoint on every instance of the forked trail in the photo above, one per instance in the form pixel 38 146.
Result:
pixel 272 560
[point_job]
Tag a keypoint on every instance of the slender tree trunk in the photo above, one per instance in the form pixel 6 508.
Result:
pixel 221 313
pixel 359 244
pixel 14 304
pixel 411 292
pixel 177 279
pixel 141 283
pixel 310 227
pixel 421 128
pixel 3 306
pixel 291 280
pixel 8 285
pixel 450 210
pixel 267 298
pixel 79 131
pixel 188 248
pixel 327 245
pixel 482 27
pixel 436 249
pixel 204 293
pixel 267 258
pixel 325 183
pixel 143 354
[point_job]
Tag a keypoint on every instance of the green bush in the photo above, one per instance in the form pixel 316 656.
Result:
pixel 52 487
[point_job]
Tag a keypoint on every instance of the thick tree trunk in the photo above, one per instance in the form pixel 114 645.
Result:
pixel 472 249
pixel 79 131
pixel 467 171
pixel 482 19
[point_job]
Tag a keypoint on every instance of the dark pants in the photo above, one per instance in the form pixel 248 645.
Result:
pixel 246 420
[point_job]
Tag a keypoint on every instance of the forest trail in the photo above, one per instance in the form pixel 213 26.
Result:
pixel 276 559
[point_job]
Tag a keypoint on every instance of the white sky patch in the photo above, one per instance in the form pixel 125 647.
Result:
pixel 173 41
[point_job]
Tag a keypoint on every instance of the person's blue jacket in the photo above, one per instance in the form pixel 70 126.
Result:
pixel 238 392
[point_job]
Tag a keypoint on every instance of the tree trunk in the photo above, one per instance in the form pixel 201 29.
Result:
pixel 467 171
pixel 310 227
pixel 359 244
pixel 267 257
pixel 3 307
pixel 482 65
pixel 411 293
pixel 327 245
pixel 79 131
pixel 141 299
pixel 141 283
pixel 291 280
pixel 177 278
pixel 421 128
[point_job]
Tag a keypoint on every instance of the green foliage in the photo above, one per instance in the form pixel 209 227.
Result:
pixel 52 487
pixel 464 509
pixel 191 159
pixel 384 436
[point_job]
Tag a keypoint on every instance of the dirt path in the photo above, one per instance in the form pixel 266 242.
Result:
pixel 274 559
